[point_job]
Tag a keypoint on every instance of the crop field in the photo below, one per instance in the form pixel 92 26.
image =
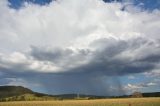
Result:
pixel 98 102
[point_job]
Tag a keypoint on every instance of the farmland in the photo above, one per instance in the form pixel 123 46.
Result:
pixel 97 102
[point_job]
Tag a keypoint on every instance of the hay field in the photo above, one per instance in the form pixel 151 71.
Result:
pixel 99 102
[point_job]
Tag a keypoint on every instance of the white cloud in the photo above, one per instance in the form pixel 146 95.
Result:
pixel 20 62
pixel 79 26
pixel 151 84
pixel 139 86
pixel 62 22
pixel 132 87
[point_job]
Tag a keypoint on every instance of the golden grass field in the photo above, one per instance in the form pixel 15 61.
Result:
pixel 98 102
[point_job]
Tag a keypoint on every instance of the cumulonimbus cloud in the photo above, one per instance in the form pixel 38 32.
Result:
pixel 89 38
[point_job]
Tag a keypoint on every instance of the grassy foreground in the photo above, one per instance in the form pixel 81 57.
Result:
pixel 100 102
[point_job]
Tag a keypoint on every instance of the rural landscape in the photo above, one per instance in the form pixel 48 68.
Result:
pixel 20 96
pixel 79 52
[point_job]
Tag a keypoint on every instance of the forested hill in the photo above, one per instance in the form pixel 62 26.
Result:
pixel 8 91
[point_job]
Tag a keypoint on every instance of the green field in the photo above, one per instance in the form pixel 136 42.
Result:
pixel 98 102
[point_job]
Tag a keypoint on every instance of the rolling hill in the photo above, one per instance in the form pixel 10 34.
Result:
pixel 8 91
pixel 19 93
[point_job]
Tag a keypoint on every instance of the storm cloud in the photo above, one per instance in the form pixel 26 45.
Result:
pixel 87 52
pixel 110 57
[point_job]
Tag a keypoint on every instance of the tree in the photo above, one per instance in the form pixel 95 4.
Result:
pixel 137 95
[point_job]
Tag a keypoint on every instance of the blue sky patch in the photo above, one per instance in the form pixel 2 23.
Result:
pixel 18 3
pixel 145 4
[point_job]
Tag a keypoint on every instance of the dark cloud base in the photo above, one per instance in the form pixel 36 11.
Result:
pixel 99 76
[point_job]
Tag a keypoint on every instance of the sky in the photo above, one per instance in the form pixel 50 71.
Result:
pixel 97 47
